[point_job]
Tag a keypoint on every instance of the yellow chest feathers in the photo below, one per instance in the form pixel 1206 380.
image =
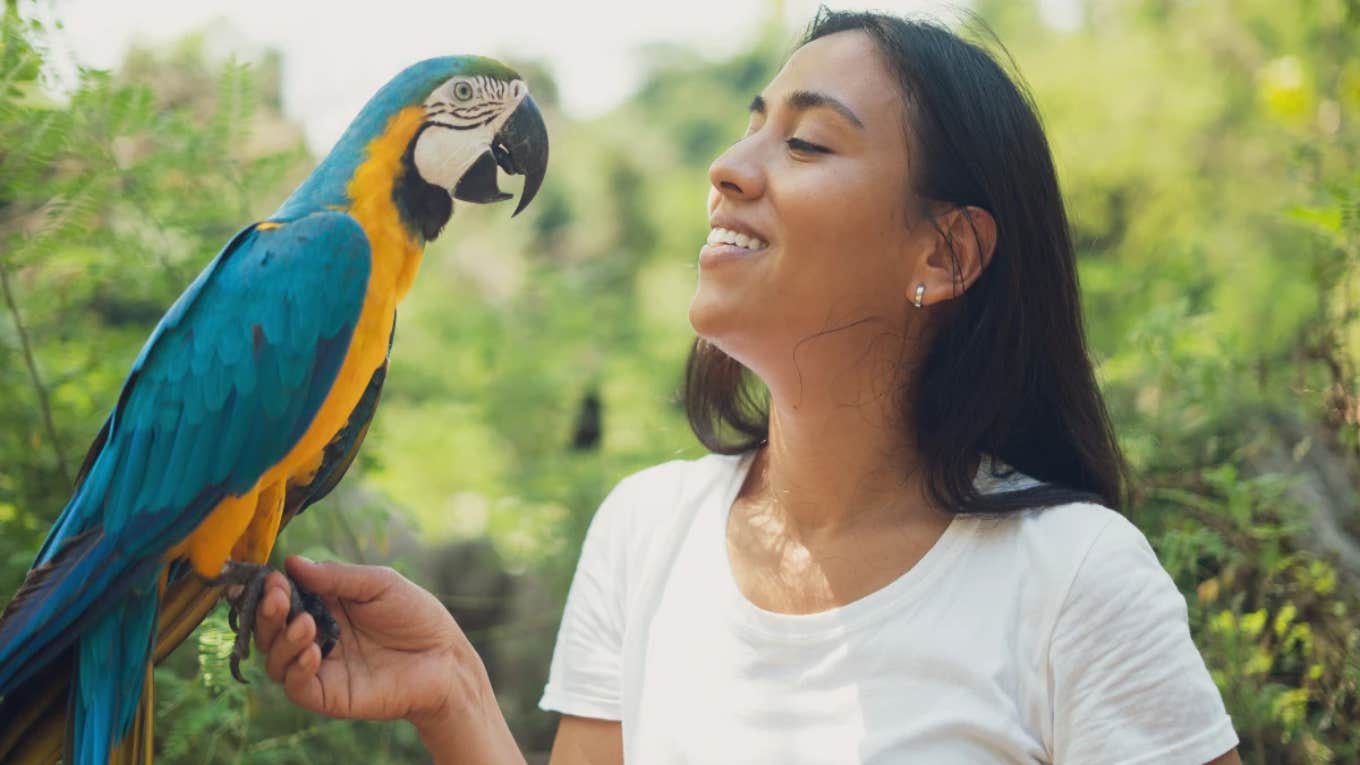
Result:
pixel 396 253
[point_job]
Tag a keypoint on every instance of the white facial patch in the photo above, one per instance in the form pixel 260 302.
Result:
pixel 443 154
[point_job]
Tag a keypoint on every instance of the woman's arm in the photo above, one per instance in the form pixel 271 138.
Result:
pixel 587 741
pixel 473 732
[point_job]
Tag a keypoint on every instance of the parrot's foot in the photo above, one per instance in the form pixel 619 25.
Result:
pixel 241 617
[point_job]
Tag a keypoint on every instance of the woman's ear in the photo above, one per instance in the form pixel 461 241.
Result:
pixel 963 246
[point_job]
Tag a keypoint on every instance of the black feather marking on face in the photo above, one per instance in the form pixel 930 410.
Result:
pixel 423 206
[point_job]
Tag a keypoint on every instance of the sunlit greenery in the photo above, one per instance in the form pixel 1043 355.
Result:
pixel 1208 155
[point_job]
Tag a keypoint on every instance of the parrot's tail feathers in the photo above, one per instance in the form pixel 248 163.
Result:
pixel 112 677
pixel 35 717
pixel 40 619
pixel 137 748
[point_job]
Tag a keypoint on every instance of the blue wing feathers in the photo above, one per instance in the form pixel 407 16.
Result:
pixel 200 458
pixel 213 391
pixel 232 435
pixel 56 581
pixel 158 442
pixel 228 382
pixel 132 475
pixel 200 353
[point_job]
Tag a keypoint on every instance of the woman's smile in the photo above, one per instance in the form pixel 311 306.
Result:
pixel 730 240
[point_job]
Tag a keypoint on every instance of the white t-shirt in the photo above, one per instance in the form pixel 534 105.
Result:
pixel 1042 637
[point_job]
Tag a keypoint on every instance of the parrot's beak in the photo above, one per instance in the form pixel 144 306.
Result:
pixel 519 148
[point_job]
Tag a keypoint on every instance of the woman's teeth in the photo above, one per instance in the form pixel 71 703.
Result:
pixel 726 236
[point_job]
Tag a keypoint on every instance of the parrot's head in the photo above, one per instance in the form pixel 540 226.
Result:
pixel 481 117
pixel 436 132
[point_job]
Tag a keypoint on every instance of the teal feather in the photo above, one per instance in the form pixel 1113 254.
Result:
pixel 132 471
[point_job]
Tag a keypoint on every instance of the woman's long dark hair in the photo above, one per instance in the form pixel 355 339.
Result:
pixel 1007 373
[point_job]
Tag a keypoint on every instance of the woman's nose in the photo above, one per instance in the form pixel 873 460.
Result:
pixel 737 173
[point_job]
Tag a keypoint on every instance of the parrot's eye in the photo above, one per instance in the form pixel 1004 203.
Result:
pixel 462 91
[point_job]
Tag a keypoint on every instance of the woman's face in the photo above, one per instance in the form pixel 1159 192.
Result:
pixel 818 191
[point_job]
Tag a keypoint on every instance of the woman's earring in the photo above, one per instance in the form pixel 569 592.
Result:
pixel 920 293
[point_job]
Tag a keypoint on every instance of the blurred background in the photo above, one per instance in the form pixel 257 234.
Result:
pixel 1208 155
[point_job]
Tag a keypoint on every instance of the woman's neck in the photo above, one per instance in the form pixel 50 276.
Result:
pixel 840 453
pixel 831 470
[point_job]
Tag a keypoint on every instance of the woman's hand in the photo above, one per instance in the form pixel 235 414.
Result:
pixel 400 655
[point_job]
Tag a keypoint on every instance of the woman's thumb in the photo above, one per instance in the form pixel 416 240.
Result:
pixel 339 580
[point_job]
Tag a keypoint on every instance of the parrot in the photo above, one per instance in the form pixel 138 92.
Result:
pixel 246 404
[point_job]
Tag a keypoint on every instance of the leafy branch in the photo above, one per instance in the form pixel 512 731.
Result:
pixel 39 390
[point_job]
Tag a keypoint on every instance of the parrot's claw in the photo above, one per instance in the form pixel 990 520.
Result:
pixel 241 617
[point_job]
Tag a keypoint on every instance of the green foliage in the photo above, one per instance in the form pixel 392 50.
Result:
pixel 1213 195
pixel 1276 626
pixel 1208 156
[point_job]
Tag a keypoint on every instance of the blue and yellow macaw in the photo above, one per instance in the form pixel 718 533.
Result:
pixel 247 403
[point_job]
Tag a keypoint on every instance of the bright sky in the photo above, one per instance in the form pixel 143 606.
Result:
pixel 336 54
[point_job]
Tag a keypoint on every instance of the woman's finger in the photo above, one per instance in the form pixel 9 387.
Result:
pixel 299 679
pixel 295 638
pixel 272 612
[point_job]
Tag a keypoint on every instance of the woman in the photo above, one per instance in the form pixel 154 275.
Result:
pixel 908 550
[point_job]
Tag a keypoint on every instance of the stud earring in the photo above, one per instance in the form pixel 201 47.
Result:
pixel 920 293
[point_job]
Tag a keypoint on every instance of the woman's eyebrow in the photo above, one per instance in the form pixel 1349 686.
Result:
pixel 802 100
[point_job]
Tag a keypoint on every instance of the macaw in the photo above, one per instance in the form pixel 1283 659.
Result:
pixel 247 403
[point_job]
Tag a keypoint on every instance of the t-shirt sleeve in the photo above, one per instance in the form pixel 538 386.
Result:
pixel 585 678
pixel 1128 684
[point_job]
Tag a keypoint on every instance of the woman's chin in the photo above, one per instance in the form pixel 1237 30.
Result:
pixel 720 326
pixel 710 318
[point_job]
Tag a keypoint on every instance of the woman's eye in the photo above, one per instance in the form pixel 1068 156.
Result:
pixel 798 144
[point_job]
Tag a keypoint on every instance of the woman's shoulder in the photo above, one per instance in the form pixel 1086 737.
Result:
pixel 647 513
pixel 647 500
pixel 1071 525
pixel 1076 544
pixel 674 475
pixel 1074 557
pixel 664 487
